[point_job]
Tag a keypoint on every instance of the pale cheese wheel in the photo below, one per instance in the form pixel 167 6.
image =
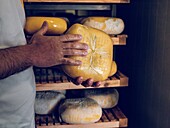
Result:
pixel 47 101
pixel 106 98
pixel 109 25
pixel 80 111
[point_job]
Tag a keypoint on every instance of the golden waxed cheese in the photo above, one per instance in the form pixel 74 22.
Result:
pixel 106 98
pixel 55 25
pixel 107 24
pixel 113 68
pixel 80 111
pixel 97 64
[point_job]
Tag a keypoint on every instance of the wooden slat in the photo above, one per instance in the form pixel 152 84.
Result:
pixel 81 1
pixel 121 117
pixel 50 79
pixel 119 39
pixel 110 118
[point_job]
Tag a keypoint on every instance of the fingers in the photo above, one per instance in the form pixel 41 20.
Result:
pixel 78 80
pixel 97 84
pixel 43 28
pixel 75 45
pixel 88 82
pixel 70 37
pixel 71 52
pixel 70 61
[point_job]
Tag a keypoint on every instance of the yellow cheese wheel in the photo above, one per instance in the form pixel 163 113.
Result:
pixel 80 111
pixel 106 98
pixel 113 68
pixel 55 25
pixel 107 24
pixel 97 64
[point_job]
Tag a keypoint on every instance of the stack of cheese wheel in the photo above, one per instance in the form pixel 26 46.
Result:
pixel 55 25
pixel 98 63
pixel 109 25
pixel 47 101
pixel 106 98
pixel 80 111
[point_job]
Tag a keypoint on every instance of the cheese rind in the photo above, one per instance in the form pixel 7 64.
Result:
pixel 106 98
pixel 47 101
pixel 97 64
pixel 55 25
pixel 107 24
pixel 80 111
pixel 113 68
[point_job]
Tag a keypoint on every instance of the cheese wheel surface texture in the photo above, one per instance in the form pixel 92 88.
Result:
pixel 47 101
pixel 55 25
pixel 113 68
pixel 107 24
pixel 80 111
pixel 106 98
pixel 97 64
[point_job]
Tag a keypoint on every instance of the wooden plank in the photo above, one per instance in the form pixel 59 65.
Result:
pixel 81 1
pixel 119 39
pixel 109 115
pixel 122 118
pixel 110 118
pixel 93 125
pixel 55 79
pixel 123 79
pixel 70 85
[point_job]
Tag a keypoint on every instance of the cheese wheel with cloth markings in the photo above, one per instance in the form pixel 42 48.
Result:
pixel 47 101
pixel 98 63
pixel 80 111
pixel 110 25
pixel 105 97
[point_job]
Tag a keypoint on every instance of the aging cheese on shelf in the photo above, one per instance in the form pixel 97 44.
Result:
pixel 107 24
pixel 80 111
pixel 113 68
pixel 97 64
pixel 47 101
pixel 106 98
pixel 55 25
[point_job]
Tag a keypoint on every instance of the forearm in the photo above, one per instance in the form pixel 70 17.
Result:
pixel 14 60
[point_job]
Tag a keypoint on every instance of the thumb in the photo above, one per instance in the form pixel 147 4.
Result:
pixel 43 28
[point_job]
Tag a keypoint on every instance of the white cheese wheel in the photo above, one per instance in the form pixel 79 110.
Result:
pixel 109 25
pixel 47 101
pixel 80 111
pixel 106 98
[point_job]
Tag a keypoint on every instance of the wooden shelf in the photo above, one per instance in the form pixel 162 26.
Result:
pixel 119 39
pixel 55 79
pixel 81 1
pixel 110 118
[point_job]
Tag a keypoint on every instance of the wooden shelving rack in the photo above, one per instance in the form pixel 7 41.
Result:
pixel 54 78
pixel 81 1
pixel 112 118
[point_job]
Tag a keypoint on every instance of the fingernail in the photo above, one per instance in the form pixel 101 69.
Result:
pixel 85 53
pixel 78 62
pixel 86 47
pixel 80 36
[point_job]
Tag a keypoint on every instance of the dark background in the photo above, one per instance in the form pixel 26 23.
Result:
pixel 146 61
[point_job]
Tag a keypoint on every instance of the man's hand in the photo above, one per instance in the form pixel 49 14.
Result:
pixel 52 50
pixel 88 83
